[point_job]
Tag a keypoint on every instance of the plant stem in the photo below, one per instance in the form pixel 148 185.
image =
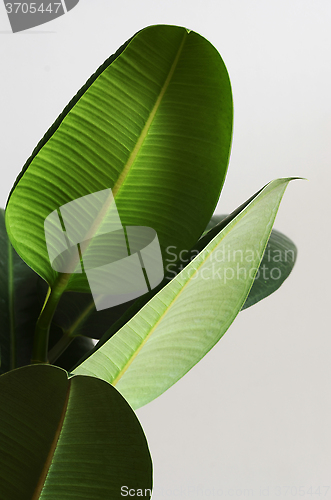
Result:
pixel 40 343
pixel 11 306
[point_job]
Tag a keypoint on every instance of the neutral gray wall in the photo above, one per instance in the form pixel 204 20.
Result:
pixel 253 417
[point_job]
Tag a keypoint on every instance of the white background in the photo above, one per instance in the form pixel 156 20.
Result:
pixel 252 419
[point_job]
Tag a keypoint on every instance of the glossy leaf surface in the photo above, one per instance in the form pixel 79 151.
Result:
pixel 153 124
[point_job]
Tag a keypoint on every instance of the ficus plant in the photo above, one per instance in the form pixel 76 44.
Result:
pixel 153 125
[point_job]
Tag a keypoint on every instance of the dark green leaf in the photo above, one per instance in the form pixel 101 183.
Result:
pixel 66 439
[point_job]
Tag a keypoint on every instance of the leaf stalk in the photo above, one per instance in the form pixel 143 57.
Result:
pixel 41 335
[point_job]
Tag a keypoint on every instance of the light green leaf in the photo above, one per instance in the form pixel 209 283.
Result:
pixel 67 439
pixel 180 324
pixel 154 124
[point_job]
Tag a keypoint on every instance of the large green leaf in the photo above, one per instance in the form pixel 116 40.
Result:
pixel 276 265
pixel 68 439
pixel 153 124
pixel 187 317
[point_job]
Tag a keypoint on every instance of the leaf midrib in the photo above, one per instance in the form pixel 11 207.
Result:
pixel 127 168
pixel 120 181
pixel 48 461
